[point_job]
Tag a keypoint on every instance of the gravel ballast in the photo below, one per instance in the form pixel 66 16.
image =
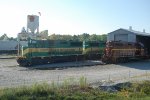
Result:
pixel 12 75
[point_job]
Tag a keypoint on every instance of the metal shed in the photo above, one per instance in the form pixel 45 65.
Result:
pixel 129 35
pixel 8 46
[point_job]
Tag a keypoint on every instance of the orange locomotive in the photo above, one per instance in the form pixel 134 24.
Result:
pixel 119 51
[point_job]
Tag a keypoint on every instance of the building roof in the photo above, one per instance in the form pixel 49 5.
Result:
pixel 134 32
pixel 137 32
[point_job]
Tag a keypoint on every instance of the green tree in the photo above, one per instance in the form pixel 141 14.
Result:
pixel 104 37
pixel 93 37
pixel 82 37
pixel 60 37
pixel 4 36
pixel 75 38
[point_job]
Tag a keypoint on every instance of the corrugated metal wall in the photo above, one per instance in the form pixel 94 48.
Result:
pixel 8 45
pixel 121 37
pixel 131 38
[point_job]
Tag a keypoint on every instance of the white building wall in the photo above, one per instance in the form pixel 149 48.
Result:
pixel 121 37
pixel 110 37
pixel 32 23
pixel 8 45
pixel 123 34
pixel 131 38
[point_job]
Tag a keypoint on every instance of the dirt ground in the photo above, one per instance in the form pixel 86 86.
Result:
pixel 11 74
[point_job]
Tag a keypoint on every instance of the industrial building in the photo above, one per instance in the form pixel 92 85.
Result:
pixel 32 31
pixel 130 35
pixel 8 47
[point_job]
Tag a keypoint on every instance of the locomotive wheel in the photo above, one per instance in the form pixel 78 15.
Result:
pixel 117 60
pixel 114 60
pixel 125 60
pixel 121 60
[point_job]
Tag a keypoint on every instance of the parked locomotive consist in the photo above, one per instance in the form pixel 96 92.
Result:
pixel 52 51
pixel 119 51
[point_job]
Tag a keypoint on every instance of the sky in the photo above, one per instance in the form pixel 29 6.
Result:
pixel 75 17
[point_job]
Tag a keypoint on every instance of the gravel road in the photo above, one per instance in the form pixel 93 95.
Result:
pixel 11 74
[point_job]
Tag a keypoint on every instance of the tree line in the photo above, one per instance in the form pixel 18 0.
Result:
pixel 82 37
pixel 5 37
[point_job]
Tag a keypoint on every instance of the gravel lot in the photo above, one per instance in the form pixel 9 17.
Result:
pixel 11 74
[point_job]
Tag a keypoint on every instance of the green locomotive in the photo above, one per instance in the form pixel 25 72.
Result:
pixel 93 49
pixel 52 51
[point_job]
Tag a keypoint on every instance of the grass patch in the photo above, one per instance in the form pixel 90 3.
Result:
pixel 70 91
